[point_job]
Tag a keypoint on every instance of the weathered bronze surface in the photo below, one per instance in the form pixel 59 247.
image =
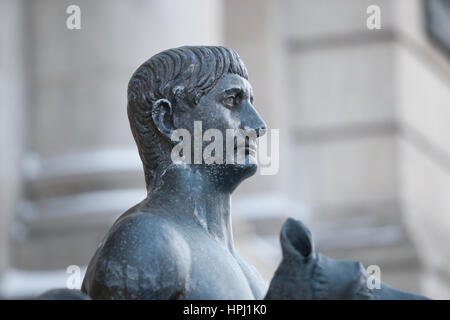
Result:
pixel 304 274
pixel 64 294
pixel 177 243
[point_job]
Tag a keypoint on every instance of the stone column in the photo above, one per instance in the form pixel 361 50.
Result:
pixel 12 120
pixel 423 100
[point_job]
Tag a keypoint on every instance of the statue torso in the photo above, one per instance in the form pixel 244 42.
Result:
pixel 218 273
pixel 214 271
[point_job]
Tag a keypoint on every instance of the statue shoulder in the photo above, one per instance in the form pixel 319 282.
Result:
pixel 142 257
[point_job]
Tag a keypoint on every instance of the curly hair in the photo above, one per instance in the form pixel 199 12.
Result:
pixel 181 74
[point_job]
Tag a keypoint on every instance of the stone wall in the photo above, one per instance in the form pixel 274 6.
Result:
pixel 362 115
pixel 12 111
pixel 423 101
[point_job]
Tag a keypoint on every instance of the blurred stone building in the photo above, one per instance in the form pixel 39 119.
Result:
pixel 363 119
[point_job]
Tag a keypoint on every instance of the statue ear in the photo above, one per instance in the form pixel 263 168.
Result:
pixel 296 237
pixel 162 116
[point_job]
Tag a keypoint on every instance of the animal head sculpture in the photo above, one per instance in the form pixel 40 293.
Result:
pixel 304 274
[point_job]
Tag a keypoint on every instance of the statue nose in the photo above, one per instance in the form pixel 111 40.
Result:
pixel 253 121
pixel 259 126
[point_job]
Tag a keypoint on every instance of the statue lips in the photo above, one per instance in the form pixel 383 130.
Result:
pixel 250 150
pixel 248 147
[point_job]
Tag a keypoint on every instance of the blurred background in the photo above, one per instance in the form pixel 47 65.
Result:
pixel 364 119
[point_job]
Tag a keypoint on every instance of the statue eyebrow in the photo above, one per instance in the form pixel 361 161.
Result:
pixel 233 90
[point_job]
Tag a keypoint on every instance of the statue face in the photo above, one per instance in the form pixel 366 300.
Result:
pixel 227 106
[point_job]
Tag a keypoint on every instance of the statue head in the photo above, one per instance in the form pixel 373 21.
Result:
pixel 179 88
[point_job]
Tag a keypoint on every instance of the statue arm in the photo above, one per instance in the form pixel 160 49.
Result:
pixel 142 258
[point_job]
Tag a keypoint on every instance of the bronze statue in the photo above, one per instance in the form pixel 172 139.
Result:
pixel 177 243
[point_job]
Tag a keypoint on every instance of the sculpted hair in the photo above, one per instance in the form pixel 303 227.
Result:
pixel 182 74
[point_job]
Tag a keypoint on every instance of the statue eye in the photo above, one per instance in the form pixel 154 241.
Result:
pixel 229 102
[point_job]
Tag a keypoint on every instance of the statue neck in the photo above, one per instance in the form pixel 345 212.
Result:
pixel 190 195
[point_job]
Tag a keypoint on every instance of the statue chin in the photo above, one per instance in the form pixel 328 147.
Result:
pixel 246 170
pixel 233 175
pixel 249 168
